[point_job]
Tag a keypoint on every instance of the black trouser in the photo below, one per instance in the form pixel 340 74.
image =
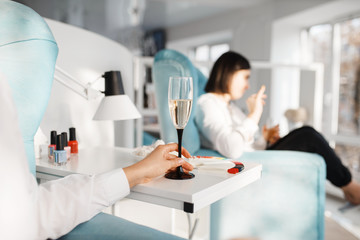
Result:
pixel 307 139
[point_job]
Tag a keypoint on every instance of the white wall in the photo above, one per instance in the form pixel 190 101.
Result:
pixel 251 28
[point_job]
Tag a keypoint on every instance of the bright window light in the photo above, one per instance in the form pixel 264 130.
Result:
pixel 202 53
pixel 217 50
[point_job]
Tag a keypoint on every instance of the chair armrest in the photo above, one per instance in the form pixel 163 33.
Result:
pixel 286 203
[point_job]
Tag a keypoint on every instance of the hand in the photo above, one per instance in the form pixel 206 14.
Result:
pixel 271 135
pixel 157 163
pixel 255 104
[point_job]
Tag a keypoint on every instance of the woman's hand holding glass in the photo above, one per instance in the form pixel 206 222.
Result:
pixel 156 164
pixel 255 104
pixel 272 134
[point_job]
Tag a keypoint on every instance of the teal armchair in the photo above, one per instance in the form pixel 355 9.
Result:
pixel 286 203
pixel 28 53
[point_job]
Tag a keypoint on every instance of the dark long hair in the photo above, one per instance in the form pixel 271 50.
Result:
pixel 224 67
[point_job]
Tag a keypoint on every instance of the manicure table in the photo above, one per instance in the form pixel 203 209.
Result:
pixel 191 195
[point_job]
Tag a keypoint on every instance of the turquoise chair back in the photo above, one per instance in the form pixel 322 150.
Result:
pixel 28 53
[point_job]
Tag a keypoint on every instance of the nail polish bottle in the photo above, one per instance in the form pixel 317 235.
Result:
pixel 73 143
pixel 59 153
pixel 67 148
pixel 52 146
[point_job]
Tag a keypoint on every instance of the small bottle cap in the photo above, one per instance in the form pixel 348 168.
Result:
pixel 53 137
pixel 59 143
pixel 64 138
pixel 72 134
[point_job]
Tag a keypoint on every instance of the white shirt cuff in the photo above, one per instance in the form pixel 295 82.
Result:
pixel 114 184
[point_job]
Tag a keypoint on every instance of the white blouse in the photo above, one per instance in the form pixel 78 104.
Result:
pixel 52 209
pixel 225 128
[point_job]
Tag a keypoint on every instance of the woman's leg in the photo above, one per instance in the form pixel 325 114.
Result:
pixel 307 139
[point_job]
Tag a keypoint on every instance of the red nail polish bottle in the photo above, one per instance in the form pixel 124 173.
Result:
pixel 73 143
pixel 52 146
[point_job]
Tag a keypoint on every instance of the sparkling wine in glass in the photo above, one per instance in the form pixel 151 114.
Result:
pixel 180 102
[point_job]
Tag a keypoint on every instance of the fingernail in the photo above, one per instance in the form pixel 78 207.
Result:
pixel 181 161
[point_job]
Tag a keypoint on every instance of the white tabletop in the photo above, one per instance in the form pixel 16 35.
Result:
pixel 189 195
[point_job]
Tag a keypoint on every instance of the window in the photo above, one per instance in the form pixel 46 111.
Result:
pixel 320 50
pixel 349 65
pixel 217 50
pixel 210 52
pixel 204 55
pixel 337 45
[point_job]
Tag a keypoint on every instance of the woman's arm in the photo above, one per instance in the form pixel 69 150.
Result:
pixel 63 204
pixel 256 104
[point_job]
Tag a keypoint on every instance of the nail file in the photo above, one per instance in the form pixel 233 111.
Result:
pixel 224 164
pixel 211 163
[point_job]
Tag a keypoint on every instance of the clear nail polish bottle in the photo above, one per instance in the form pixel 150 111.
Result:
pixel 59 153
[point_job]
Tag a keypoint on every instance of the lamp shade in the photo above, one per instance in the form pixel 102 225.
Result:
pixel 113 83
pixel 115 105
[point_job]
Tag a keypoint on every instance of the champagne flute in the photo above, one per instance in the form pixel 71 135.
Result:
pixel 180 98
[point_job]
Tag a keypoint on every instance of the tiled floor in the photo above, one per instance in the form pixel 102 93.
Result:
pixel 341 224
pixel 334 231
pixel 349 217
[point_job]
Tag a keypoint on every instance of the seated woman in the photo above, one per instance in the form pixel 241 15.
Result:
pixel 225 128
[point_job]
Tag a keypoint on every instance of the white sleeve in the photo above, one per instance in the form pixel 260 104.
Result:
pixel 63 204
pixel 231 141
pixel 50 210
